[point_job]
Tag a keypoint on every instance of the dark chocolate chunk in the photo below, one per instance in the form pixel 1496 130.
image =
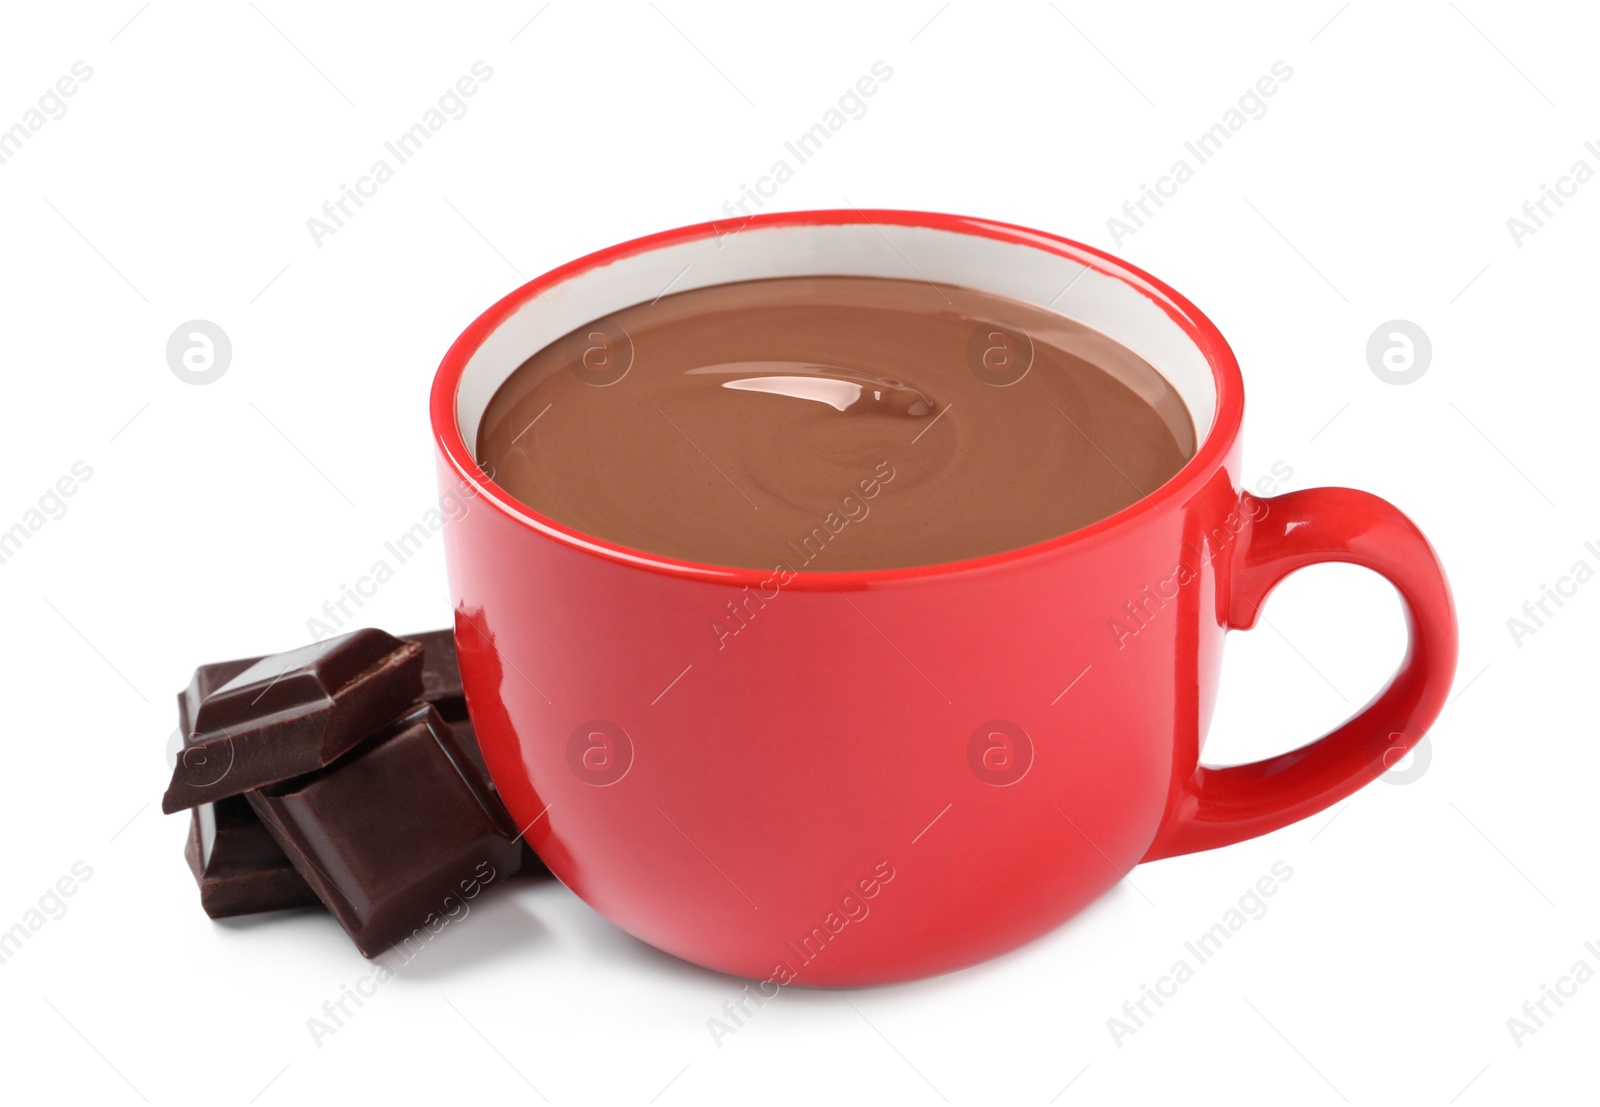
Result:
pixel 468 737
pixel 288 714
pixel 441 686
pixel 395 832
pixel 441 676
pixel 529 863
pixel 240 868
pixel 207 679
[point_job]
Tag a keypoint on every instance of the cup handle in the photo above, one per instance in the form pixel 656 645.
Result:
pixel 1217 807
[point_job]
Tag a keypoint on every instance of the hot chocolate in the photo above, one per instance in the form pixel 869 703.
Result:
pixel 833 423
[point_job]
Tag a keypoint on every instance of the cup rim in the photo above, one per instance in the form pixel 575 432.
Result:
pixel 1199 329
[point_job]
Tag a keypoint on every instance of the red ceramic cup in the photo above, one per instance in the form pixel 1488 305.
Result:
pixel 894 773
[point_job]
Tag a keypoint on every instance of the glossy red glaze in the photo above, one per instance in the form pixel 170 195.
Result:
pixel 887 775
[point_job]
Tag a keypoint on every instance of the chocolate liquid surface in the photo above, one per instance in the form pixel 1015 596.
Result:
pixel 826 424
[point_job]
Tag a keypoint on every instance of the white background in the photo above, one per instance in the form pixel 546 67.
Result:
pixel 218 519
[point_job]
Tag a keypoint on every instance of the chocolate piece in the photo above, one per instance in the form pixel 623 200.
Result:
pixel 393 833
pixel 207 679
pixel 288 713
pixel 240 868
pixel 441 676
pixel 529 862
pixel 441 686
pixel 467 735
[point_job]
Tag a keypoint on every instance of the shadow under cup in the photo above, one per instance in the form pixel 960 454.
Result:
pixel 881 774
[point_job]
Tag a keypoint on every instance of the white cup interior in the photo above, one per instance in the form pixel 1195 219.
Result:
pixel 1038 275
